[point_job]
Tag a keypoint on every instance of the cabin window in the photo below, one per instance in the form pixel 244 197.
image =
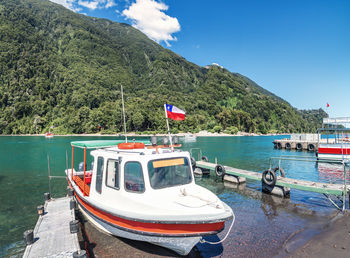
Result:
pixel 112 179
pixel 169 172
pixel 100 163
pixel 133 177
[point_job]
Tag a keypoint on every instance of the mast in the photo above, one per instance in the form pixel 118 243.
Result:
pixel 126 138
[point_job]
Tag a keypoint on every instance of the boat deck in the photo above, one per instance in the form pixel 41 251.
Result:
pixel 52 237
pixel 335 189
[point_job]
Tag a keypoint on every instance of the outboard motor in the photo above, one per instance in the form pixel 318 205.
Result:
pixel 154 140
pixel 81 166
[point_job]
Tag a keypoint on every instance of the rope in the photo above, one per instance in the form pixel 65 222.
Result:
pixel 207 202
pixel 222 240
pixel 188 206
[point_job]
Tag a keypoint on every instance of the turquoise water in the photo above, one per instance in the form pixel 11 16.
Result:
pixel 261 220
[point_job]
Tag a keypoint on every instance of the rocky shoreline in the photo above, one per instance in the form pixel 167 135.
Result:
pixel 133 134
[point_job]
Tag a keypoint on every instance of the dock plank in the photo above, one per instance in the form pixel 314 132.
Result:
pixel 52 237
pixel 336 189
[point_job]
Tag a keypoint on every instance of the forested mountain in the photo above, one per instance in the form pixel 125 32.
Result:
pixel 64 70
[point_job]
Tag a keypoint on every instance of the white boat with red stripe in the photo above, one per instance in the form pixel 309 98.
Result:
pixel 146 192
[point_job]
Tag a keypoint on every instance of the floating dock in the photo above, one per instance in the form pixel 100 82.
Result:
pixel 335 189
pixel 52 233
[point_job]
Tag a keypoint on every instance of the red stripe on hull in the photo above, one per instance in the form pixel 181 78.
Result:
pixel 334 151
pixel 154 228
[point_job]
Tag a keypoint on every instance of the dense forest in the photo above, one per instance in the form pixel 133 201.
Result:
pixel 62 70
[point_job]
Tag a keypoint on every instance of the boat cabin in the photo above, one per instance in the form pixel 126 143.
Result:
pixel 130 168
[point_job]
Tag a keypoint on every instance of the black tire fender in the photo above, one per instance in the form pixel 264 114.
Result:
pixel 299 146
pixel 193 162
pixel 220 170
pixel 310 147
pixel 205 158
pixel 271 181
pixel 283 174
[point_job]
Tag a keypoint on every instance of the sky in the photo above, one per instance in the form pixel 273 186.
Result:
pixel 297 49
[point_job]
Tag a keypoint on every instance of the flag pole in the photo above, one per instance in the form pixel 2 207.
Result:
pixel 167 123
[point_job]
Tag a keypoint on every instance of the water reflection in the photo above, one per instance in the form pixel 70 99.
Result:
pixel 331 172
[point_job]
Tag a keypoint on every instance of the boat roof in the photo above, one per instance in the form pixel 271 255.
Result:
pixel 103 143
pixel 336 120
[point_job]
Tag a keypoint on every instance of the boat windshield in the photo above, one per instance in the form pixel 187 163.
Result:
pixel 169 172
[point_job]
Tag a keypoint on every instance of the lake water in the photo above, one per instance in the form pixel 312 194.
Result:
pixel 263 222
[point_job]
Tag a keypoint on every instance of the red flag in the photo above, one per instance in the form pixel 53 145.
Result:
pixel 327 105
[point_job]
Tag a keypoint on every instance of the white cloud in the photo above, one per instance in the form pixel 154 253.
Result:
pixel 149 17
pixel 99 4
pixel 110 3
pixel 90 4
pixel 66 3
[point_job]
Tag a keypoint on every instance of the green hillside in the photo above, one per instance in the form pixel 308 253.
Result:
pixel 64 70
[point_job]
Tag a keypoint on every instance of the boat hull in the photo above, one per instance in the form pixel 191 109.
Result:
pixel 334 152
pixel 180 245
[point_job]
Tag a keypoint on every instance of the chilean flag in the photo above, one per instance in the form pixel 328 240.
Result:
pixel 174 112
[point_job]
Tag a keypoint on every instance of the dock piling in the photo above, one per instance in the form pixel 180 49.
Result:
pixel 28 236
pixel 47 197
pixel 74 226
pixel 80 254
pixel 40 210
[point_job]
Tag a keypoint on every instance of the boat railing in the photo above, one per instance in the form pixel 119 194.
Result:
pixel 49 174
pixel 199 152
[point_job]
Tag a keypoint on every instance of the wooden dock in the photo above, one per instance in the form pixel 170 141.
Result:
pixel 324 188
pixel 52 236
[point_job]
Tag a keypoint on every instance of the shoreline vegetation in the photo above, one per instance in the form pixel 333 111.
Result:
pixel 141 134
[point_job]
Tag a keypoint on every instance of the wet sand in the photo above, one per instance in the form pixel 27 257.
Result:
pixel 100 244
pixel 333 241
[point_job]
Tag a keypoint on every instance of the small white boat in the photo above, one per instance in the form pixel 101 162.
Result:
pixel 48 135
pixel 190 138
pixel 146 193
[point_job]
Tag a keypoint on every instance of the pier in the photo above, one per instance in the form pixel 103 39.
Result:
pixel 52 233
pixel 289 144
pixel 307 142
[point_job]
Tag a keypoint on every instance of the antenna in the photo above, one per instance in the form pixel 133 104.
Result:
pixel 126 138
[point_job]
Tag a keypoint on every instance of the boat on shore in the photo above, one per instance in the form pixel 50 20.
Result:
pixel 146 192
